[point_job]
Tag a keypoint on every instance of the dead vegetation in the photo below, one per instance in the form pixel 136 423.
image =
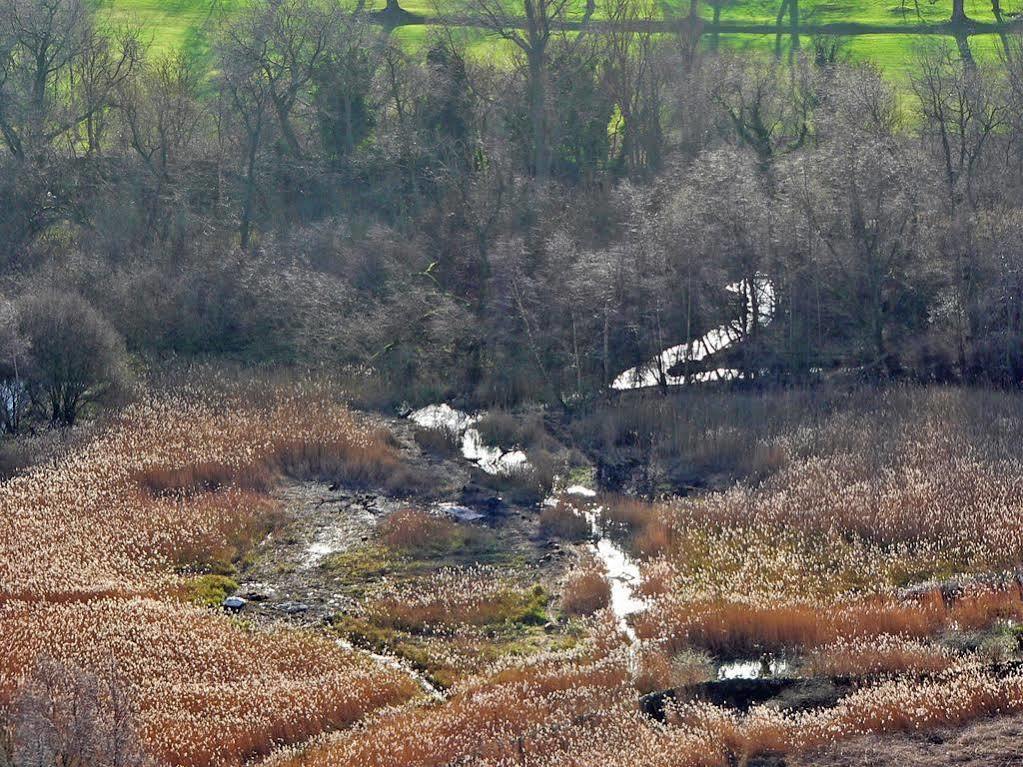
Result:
pixel 90 545
pixel 586 590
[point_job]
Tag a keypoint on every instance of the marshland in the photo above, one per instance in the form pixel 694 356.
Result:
pixel 510 383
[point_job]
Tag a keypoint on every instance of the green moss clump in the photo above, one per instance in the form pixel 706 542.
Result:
pixel 528 608
pixel 361 564
pixel 211 589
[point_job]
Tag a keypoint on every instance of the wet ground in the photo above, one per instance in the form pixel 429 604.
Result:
pixel 319 563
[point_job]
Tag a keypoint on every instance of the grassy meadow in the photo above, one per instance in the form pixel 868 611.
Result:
pixel 871 28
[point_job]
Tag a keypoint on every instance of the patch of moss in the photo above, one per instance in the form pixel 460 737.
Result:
pixel 361 564
pixel 211 589
pixel 582 475
pixel 528 608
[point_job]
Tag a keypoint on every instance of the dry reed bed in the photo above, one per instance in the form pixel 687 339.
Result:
pixel 522 709
pixel 579 714
pixel 960 693
pixel 207 690
pixel 900 489
pixel 923 485
pixel 733 628
pixel 88 548
pixel 172 477
pixel 884 654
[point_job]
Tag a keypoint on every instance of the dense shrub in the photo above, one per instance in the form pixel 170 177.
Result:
pixel 76 358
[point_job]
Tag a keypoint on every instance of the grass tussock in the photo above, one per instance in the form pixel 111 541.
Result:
pixel 439 441
pixel 564 521
pixel 512 430
pixel 456 597
pixel 657 670
pixel 586 590
pixel 883 654
pixel 419 532
pixel 737 629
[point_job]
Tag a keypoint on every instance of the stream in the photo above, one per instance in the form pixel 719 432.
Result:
pixel 650 373
pixel 621 570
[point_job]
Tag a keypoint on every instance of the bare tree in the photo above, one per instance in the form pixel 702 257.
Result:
pixel 282 43
pixel 865 193
pixel 56 72
pixel 77 357
pixel 532 31
pixel 768 105
pixel 635 74
pixel 65 717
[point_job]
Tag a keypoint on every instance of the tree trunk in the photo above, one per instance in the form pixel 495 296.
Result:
pixel 250 193
pixel 959 12
pixel 794 25
pixel 963 43
pixel 782 10
pixel 283 117
pixel 537 110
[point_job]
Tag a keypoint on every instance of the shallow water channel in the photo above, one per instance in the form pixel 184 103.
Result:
pixel 621 570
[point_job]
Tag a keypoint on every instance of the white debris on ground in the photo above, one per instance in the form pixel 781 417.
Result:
pixel 337 535
pixel 459 513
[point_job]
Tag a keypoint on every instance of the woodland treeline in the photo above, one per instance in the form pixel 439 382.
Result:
pixel 518 224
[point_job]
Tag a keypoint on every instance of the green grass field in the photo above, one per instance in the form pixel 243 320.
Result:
pixel 184 24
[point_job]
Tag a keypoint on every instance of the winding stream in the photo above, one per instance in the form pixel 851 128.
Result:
pixel 491 459
pixel 622 571
pixel 650 373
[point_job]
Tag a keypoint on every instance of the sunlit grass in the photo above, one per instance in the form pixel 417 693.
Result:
pixel 186 24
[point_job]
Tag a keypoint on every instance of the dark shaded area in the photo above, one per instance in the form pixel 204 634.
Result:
pixel 784 693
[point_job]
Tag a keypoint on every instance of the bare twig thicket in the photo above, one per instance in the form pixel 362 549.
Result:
pixel 88 548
